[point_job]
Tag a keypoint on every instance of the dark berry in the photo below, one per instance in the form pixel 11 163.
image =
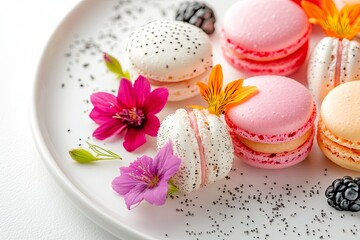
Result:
pixel 198 14
pixel 344 194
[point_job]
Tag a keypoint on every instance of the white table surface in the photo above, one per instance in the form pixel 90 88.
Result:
pixel 32 205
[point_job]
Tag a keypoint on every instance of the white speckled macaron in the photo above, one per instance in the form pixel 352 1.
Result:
pixel 202 142
pixel 333 62
pixel 171 54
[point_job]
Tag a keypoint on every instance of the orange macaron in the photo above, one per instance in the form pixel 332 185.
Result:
pixel 339 126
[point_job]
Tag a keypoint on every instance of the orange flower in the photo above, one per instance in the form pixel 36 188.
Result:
pixel 217 99
pixel 341 24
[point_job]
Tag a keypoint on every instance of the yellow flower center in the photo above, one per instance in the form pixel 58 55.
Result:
pixel 154 181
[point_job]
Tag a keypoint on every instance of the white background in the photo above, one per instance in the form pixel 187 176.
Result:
pixel 32 205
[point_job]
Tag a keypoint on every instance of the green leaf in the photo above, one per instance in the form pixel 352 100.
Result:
pixel 82 156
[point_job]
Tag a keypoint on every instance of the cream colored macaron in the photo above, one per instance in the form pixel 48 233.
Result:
pixel 339 125
pixel 333 62
pixel 171 54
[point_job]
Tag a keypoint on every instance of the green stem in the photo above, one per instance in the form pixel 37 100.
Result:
pixel 171 188
pixel 101 152
pixel 84 156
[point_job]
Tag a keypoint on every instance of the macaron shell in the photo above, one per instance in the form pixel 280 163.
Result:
pixel 321 68
pixel 281 30
pixel 169 51
pixel 340 155
pixel 350 63
pixel 282 110
pixel 340 111
pixel 284 66
pixel 339 140
pixel 176 127
pixel 323 65
pixel 218 149
pixel 182 90
pixel 272 161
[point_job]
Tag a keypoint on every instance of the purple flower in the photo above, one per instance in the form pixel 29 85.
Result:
pixel 132 111
pixel 147 178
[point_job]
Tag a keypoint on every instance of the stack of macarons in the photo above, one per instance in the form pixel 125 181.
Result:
pixel 265 37
pixel 171 54
pixel 275 128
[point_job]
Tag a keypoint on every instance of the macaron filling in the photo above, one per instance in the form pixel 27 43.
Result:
pixel 337 150
pixel 336 139
pixel 195 128
pixel 188 81
pixel 276 147
pixel 338 64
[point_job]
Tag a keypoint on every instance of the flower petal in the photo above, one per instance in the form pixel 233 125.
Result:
pixel 100 116
pixel 134 138
pixel 126 95
pixel 104 101
pixel 152 125
pixel 123 184
pixel 329 7
pixel 353 12
pixel 157 195
pixel 135 195
pixel 204 91
pixel 314 12
pixel 243 95
pixel 141 90
pixel 108 129
pixel 166 162
pixel 156 100
pixel 216 80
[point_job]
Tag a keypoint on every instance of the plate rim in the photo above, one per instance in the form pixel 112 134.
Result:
pixel 77 197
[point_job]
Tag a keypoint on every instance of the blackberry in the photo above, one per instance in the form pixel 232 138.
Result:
pixel 198 14
pixel 344 194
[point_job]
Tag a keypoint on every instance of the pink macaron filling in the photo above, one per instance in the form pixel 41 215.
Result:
pixel 338 64
pixel 194 126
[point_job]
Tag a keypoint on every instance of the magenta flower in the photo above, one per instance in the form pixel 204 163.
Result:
pixel 147 178
pixel 132 111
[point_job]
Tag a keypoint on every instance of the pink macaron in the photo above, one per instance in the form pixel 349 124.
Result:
pixel 262 37
pixel 275 128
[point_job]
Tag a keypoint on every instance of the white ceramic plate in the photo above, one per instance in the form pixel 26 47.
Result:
pixel 250 204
